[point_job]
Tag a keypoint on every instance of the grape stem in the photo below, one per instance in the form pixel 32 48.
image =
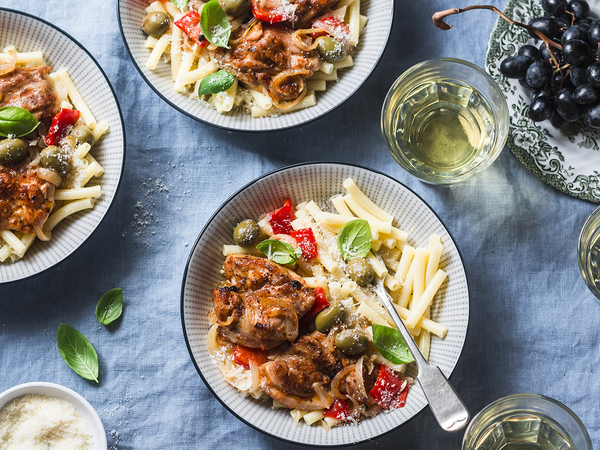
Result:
pixel 438 21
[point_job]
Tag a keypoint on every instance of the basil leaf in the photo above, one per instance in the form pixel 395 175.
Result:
pixel 77 352
pixel 181 4
pixel 354 239
pixel 390 344
pixel 216 82
pixel 110 306
pixel 280 252
pixel 214 24
pixel 16 121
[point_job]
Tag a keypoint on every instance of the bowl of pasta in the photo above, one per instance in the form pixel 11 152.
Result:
pixel 279 312
pixel 255 65
pixel 61 141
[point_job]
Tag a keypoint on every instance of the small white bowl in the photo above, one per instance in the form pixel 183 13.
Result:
pixel 86 410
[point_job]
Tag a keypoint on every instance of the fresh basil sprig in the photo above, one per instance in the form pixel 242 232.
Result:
pixel 181 4
pixel 280 252
pixel 16 121
pixel 110 306
pixel 214 24
pixel 216 82
pixel 390 344
pixel 77 352
pixel 354 239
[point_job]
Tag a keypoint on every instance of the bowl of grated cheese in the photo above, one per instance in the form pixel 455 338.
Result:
pixel 46 415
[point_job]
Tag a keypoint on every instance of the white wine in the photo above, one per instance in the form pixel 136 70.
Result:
pixel 444 128
pixel 524 432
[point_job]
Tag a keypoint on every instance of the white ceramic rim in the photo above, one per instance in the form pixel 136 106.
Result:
pixel 325 103
pixel 292 424
pixel 23 272
pixel 84 408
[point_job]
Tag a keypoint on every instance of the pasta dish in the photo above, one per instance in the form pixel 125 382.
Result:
pixel 297 322
pixel 45 162
pixel 265 57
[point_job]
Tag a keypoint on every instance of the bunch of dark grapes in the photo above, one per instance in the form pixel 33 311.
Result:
pixel 564 85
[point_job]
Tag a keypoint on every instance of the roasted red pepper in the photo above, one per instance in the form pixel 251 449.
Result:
pixel 339 410
pixel 271 11
pixel 281 219
pixel 401 399
pixel 307 242
pixel 334 27
pixel 61 122
pixel 243 356
pixel 319 305
pixel 386 387
pixel 190 24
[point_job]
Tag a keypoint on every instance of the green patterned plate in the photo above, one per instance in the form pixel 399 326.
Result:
pixel 568 160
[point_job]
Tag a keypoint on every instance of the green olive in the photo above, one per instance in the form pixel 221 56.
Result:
pixel 12 151
pixel 235 7
pixel 57 159
pixel 360 270
pixel 156 23
pixel 351 342
pixel 330 317
pixel 330 50
pixel 246 233
pixel 83 134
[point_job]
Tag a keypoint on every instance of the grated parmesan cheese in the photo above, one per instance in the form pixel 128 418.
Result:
pixel 40 422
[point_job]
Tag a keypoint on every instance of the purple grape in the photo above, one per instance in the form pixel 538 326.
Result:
pixel 515 66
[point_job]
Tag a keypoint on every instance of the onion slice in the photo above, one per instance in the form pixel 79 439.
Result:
pixel 326 397
pixel 49 175
pixel 254 373
pixel 338 378
pixel 297 38
pixel 359 376
pixel 9 66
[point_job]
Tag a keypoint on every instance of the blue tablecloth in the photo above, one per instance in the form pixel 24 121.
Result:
pixel 534 325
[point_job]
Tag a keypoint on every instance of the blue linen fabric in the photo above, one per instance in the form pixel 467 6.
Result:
pixel 534 325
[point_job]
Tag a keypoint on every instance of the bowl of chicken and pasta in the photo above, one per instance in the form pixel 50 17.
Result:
pixel 62 145
pixel 255 65
pixel 279 310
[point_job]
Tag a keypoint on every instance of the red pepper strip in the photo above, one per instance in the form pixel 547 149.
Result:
pixel 401 399
pixel 339 410
pixel 334 27
pixel 386 387
pixel 60 123
pixel 243 356
pixel 268 13
pixel 319 305
pixel 307 242
pixel 281 219
pixel 190 24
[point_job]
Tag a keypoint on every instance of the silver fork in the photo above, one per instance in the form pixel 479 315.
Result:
pixel 446 406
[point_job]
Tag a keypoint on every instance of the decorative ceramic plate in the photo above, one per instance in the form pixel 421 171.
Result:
pixel 28 33
pixel 319 182
pixel 568 159
pixel 366 57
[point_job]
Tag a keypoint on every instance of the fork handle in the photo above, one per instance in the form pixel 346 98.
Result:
pixel 446 406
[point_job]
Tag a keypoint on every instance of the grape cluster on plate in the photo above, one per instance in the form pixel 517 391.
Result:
pixel 564 79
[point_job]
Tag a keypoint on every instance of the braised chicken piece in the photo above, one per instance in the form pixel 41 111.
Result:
pixel 291 377
pixel 263 304
pixel 26 200
pixel 28 88
pixel 266 58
